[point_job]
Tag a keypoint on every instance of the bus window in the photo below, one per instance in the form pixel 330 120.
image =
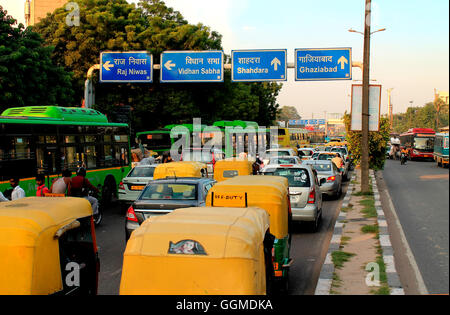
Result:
pixel 91 157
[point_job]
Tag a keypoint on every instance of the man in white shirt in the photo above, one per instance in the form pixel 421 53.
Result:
pixel 17 192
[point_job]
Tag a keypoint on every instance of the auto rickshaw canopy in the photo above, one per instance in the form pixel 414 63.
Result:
pixel 231 167
pixel 270 193
pixel 197 251
pixel 180 169
pixel 29 248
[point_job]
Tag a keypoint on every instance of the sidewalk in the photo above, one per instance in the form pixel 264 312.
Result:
pixel 360 257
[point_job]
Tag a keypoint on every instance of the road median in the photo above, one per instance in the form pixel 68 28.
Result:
pixel 360 257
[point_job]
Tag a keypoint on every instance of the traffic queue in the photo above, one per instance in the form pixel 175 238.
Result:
pixel 188 232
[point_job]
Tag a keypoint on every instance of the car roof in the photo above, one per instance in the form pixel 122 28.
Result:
pixel 279 149
pixel 146 165
pixel 284 166
pixel 187 180
pixel 284 157
pixel 317 162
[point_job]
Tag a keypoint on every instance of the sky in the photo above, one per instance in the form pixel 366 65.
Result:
pixel 411 56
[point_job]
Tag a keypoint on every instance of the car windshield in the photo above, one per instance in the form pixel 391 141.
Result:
pixel 142 172
pixel 327 149
pixel 166 191
pixel 340 150
pixel 325 157
pixel 307 152
pixel 297 177
pixel 277 153
pixel 322 168
pixel 283 161
pixel 198 156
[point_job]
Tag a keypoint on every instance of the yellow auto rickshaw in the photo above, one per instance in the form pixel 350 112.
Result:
pixel 231 167
pixel 270 193
pixel 180 169
pixel 199 251
pixel 48 246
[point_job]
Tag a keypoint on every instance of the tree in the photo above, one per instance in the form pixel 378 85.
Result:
pixel 377 143
pixel 28 76
pixel 153 27
pixel 426 116
pixel 287 113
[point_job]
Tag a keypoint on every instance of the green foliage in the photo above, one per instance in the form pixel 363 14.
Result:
pixel 287 113
pixel 377 143
pixel 422 117
pixel 27 74
pixel 340 257
pixel 150 25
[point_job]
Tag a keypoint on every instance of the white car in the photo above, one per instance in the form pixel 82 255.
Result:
pixel 304 191
pixel 285 160
pixel 306 153
pixel 277 152
pixel 132 185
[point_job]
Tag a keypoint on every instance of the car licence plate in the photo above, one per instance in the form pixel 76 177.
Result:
pixel 137 187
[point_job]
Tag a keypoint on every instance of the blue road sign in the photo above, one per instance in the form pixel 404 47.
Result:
pixel 124 67
pixel 259 65
pixel 323 64
pixel 191 66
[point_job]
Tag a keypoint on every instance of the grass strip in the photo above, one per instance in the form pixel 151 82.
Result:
pixel 340 257
pixel 369 210
pixel 370 228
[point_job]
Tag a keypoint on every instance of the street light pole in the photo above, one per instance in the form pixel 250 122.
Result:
pixel 365 102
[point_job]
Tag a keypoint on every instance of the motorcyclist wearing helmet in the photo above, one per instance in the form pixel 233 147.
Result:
pixel 80 187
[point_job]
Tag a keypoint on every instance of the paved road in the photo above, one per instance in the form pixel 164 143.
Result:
pixel 308 250
pixel 420 193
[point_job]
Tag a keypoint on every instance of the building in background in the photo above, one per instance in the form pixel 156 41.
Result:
pixel 335 125
pixel 38 9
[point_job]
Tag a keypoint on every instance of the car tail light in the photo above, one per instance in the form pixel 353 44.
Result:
pixel 331 179
pixel 131 215
pixel 312 196
pixel 121 186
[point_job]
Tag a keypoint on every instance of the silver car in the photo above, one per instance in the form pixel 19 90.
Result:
pixel 284 160
pixel 132 185
pixel 304 192
pixel 328 171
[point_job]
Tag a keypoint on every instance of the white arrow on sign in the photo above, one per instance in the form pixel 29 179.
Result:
pixel 275 63
pixel 108 66
pixel 169 65
pixel 342 61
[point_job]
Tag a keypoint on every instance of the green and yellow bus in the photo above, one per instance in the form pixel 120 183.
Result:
pixel 159 141
pixel 232 137
pixel 47 139
pixel 290 137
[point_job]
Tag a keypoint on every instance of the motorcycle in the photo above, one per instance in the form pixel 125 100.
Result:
pixel 403 158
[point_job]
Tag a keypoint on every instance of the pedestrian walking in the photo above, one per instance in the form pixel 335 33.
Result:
pixel 41 188
pixel 17 192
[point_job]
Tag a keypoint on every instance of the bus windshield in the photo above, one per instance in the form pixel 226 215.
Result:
pixel 424 143
pixel 156 140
